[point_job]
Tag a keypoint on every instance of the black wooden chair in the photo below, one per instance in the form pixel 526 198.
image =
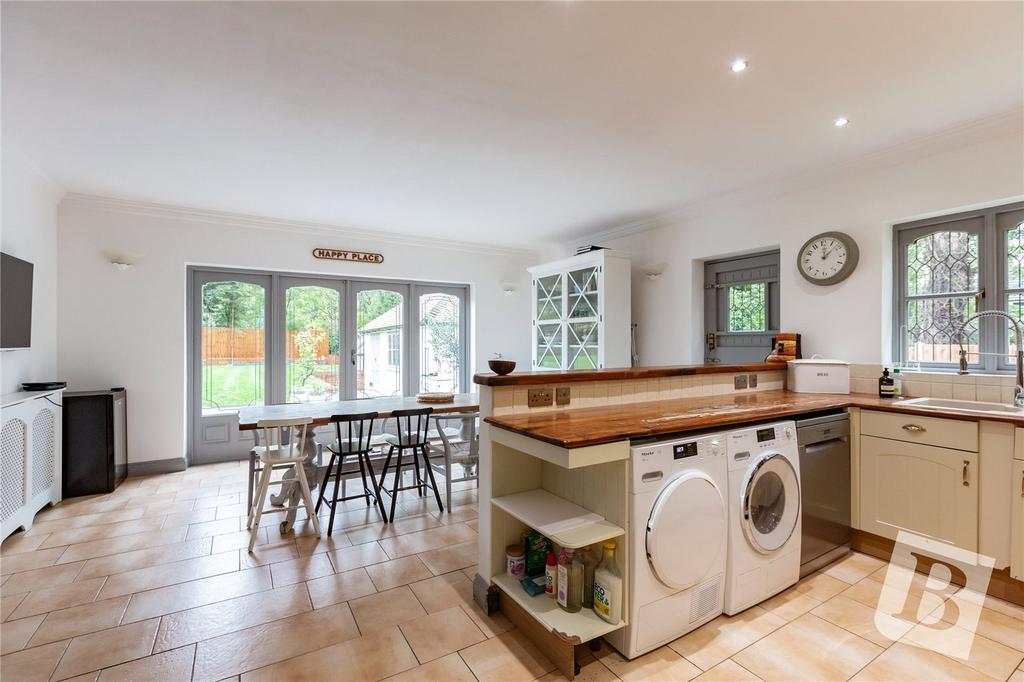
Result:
pixel 352 441
pixel 412 436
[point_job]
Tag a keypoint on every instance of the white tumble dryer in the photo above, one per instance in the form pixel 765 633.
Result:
pixel 764 513
pixel 679 518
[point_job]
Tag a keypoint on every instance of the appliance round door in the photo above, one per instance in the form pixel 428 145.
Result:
pixel 687 529
pixel 770 502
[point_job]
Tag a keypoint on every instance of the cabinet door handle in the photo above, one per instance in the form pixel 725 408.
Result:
pixel 914 428
pixel 967 465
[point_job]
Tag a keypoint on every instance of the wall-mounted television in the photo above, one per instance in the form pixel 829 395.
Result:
pixel 15 303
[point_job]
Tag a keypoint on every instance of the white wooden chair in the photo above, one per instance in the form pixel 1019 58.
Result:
pixel 274 453
pixel 459 445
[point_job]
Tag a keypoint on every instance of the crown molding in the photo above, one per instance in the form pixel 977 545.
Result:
pixel 251 222
pixel 1006 123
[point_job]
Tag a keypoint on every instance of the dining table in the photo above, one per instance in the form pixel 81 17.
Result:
pixel 321 413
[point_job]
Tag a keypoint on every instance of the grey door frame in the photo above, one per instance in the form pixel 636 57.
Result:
pixel 760 267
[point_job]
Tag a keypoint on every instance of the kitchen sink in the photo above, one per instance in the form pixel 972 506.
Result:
pixel 943 404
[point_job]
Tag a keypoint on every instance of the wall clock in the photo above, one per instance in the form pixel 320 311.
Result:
pixel 828 258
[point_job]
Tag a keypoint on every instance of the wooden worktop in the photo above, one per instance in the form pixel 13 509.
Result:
pixel 619 374
pixel 597 425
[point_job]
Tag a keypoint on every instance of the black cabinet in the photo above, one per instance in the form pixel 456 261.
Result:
pixel 95 458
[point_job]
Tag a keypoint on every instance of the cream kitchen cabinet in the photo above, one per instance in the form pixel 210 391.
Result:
pixel 1017 523
pixel 581 312
pixel 918 487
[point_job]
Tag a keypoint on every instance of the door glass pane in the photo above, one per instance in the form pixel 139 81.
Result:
pixel 583 293
pixel 932 324
pixel 1014 280
pixel 747 307
pixel 313 344
pixel 549 297
pixel 232 346
pixel 379 324
pixel 440 343
pixel 767 502
pixel 549 345
pixel 583 345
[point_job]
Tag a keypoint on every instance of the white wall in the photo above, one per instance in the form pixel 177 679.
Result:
pixel 28 230
pixel 850 320
pixel 127 328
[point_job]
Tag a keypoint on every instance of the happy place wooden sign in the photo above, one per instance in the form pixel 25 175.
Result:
pixel 355 256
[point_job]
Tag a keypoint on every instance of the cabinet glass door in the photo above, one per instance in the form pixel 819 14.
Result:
pixel 549 297
pixel 548 342
pixel 583 347
pixel 583 328
pixel 582 289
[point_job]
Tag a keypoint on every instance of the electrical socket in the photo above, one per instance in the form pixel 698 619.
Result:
pixel 562 395
pixel 739 381
pixel 752 381
pixel 539 397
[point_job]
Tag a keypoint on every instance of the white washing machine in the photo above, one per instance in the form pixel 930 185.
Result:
pixel 764 513
pixel 679 518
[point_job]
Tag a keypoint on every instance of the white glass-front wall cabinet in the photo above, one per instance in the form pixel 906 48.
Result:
pixel 581 314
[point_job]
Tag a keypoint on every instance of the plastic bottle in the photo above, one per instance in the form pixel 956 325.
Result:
pixel 589 559
pixel 574 601
pixel 550 575
pixel 608 586
pixel 562 589
pixel 897 383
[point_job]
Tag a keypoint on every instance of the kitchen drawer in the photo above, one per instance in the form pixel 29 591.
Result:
pixel 946 433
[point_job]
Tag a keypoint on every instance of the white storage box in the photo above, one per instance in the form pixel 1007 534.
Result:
pixel 818 375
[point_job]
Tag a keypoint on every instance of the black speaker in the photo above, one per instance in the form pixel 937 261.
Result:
pixel 95 458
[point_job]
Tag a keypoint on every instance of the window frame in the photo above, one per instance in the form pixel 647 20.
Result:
pixel 992 282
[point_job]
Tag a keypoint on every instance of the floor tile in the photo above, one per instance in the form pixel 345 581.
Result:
pixel 422 541
pixel 339 587
pixel 15 634
pixel 32 665
pixel 107 648
pixel 986 656
pixel 111 530
pixel 313 544
pixel 187 518
pixel 397 572
pixel 41 578
pixel 450 668
pixel 298 570
pixel 913 606
pixel 169 666
pixel 60 597
pixel 995 625
pixel 509 657
pixel 142 558
pixel 125 543
pixel 392 607
pixel 440 592
pixel 447 559
pixel 8 603
pixel 239 540
pixel 591 670
pixel 727 671
pixel 853 567
pixel 279 640
pixel 150 578
pixel 788 653
pixel 270 553
pixel 790 604
pixel 19 543
pixel 30 560
pixel 661 664
pixel 211 528
pixel 821 586
pixel 370 657
pixel 213 620
pixel 357 556
pixel 197 593
pixel 80 620
pixel 859 619
pixel 907 663
pixel 439 634
pixel 712 643
pixel 378 531
pixel 41 527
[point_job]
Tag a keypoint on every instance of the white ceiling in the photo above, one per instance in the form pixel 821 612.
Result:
pixel 505 123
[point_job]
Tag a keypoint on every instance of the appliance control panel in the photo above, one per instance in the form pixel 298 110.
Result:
pixel 655 462
pixel 746 443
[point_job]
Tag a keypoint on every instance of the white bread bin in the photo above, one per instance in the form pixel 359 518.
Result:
pixel 818 375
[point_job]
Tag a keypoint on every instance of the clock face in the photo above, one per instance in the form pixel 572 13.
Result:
pixel 827 258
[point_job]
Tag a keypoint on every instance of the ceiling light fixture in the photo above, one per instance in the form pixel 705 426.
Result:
pixel 840 122
pixel 739 65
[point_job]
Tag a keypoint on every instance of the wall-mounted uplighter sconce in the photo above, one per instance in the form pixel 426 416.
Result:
pixel 653 272
pixel 122 260
pixel 509 289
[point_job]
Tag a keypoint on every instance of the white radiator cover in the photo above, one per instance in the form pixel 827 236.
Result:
pixel 30 457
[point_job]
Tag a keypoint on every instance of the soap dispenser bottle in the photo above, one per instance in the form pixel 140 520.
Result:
pixel 886 386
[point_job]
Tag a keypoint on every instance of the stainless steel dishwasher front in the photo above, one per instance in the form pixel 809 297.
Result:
pixel 824 443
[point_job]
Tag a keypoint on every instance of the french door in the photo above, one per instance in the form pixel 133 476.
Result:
pixel 270 338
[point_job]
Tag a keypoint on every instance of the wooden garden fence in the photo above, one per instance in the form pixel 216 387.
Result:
pixel 225 346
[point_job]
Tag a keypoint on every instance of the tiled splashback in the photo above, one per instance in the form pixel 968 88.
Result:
pixel 995 388
pixel 513 399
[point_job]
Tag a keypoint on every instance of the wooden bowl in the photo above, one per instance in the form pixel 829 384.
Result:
pixel 501 366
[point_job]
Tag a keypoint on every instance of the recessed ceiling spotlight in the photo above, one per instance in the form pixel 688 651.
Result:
pixel 739 65
pixel 841 122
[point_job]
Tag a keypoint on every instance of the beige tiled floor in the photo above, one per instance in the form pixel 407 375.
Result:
pixel 153 582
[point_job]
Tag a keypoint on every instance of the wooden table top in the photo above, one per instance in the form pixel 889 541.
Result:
pixel 618 374
pixel 321 412
pixel 612 423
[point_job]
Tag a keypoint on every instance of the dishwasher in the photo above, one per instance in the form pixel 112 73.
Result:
pixel 824 443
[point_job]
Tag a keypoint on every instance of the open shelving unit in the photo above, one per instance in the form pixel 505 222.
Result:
pixel 561 521
pixel 581 626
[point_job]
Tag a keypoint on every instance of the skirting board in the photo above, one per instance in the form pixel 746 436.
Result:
pixel 157 466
